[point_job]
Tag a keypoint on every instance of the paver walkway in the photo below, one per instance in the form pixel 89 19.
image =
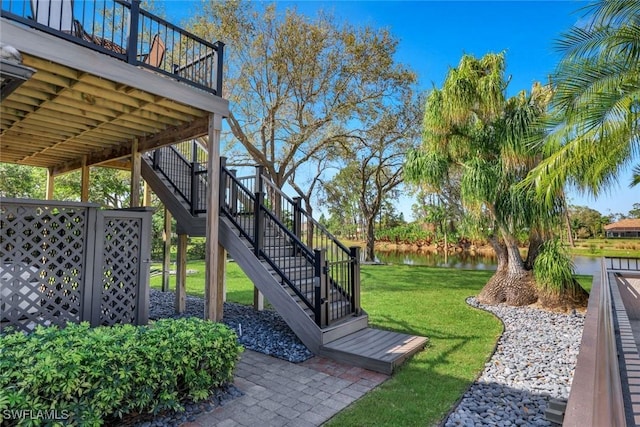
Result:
pixel 279 393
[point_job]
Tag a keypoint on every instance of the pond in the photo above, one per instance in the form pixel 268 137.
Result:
pixel 466 261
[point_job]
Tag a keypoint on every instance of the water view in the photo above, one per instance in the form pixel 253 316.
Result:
pixel 583 265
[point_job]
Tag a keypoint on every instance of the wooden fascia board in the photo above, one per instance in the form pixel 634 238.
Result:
pixel 39 44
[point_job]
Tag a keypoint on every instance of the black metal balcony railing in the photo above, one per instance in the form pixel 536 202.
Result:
pixel 121 29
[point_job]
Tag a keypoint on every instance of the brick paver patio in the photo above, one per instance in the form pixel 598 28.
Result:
pixel 279 393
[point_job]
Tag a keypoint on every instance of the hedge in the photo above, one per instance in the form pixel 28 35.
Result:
pixel 81 375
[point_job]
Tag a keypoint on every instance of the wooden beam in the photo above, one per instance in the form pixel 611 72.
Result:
pixel 170 136
pixel 194 129
pixel 181 275
pixel 84 182
pixel 136 166
pixel 166 250
pixel 213 283
pixel 50 184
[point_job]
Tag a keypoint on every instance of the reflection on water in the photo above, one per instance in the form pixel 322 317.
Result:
pixel 466 261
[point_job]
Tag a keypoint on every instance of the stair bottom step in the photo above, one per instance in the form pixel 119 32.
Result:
pixel 374 349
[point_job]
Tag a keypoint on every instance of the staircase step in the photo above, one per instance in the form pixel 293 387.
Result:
pixel 374 349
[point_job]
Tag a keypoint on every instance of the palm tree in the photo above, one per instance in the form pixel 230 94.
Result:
pixel 471 128
pixel 595 131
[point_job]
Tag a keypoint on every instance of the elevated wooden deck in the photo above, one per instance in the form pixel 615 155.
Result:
pixel 374 349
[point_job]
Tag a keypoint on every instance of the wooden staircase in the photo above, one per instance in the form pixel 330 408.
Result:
pixel 315 291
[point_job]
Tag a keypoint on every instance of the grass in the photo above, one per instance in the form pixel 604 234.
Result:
pixel 417 300
pixel 430 302
pixel 239 287
pixel 607 247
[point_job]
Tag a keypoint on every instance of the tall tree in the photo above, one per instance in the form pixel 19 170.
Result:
pixel 377 157
pixel 595 132
pixel 471 128
pixel 345 216
pixel 108 187
pixel 294 82
pixel 22 181
pixel 586 222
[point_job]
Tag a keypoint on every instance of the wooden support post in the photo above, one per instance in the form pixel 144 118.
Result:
pixel 222 274
pixel 355 280
pixel 50 184
pixel 181 274
pixel 166 250
pixel 258 300
pixel 136 165
pixel 213 282
pixel 147 194
pixel 84 181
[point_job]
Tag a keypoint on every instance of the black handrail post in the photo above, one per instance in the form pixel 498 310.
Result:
pixel 258 224
pixel 320 268
pixel 355 279
pixel 220 57
pixel 297 217
pixel 132 46
pixel 222 188
pixel 259 184
pixel 234 194
pixel 157 153
pixel 194 187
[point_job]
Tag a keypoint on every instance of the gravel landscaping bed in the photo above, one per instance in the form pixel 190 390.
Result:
pixel 534 362
pixel 261 331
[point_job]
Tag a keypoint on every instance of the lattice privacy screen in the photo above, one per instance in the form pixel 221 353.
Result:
pixel 71 262
pixel 120 270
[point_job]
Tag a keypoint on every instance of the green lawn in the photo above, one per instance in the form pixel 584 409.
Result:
pixel 239 287
pixel 417 300
pixel 628 248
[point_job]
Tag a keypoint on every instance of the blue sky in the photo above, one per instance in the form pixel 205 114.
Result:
pixel 435 34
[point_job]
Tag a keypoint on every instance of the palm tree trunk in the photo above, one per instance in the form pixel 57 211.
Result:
pixel 512 283
pixel 536 240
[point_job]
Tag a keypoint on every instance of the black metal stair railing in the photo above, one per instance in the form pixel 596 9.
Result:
pixel 336 267
pixel 187 178
pixel 271 240
pixel 340 263
pixel 282 233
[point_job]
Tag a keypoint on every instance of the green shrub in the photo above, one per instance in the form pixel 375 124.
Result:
pixel 88 374
pixel 553 268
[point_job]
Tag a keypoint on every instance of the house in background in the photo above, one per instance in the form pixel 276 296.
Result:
pixel 628 227
pixel 106 83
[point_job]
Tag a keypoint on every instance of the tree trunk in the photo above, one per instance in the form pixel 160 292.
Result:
pixel 512 283
pixel 371 240
pixel 536 240
pixel 569 231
